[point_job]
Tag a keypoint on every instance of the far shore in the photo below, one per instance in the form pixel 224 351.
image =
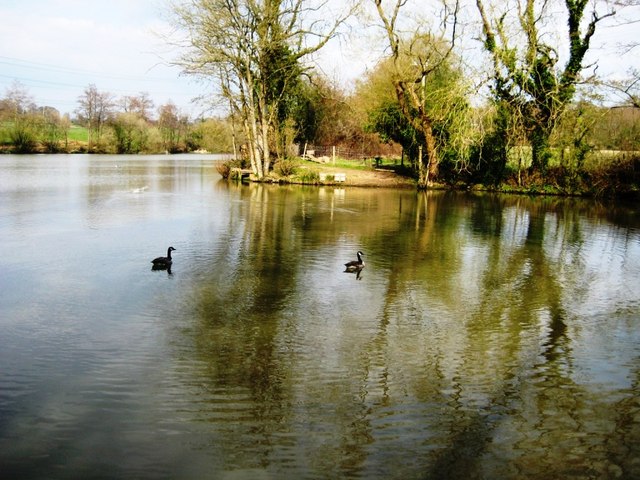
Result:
pixel 365 174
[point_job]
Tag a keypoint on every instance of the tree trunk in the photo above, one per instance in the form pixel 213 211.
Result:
pixel 264 139
pixel 252 130
pixel 540 149
pixel 432 154
pixel 424 125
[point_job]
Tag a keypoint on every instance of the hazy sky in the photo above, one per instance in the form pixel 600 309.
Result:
pixel 56 48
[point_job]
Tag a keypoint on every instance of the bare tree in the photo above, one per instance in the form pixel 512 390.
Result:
pixel 94 110
pixel 141 105
pixel 173 126
pixel 628 91
pixel 18 100
pixel 19 109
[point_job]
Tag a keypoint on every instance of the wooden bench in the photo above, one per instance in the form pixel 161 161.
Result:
pixel 240 173
pixel 337 177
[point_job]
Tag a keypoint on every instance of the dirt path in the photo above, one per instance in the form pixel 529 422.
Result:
pixel 369 178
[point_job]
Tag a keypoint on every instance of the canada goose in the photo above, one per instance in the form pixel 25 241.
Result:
pixel 355 265
pixel 163 262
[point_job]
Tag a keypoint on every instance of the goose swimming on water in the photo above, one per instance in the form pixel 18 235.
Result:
pixel 163 262
pixel 355 265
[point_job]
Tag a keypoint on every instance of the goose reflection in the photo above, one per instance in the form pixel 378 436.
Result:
pixel 358 273
pixel 156 268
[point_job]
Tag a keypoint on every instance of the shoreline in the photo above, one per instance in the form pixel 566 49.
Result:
pixel 359 175
pixel 370 177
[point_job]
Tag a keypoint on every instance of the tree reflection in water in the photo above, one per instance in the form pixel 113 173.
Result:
pixel 462 353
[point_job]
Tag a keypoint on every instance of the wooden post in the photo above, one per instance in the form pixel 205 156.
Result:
pixel 421 169
pixel 334 154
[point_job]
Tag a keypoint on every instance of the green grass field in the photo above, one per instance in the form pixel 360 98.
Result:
pixel 78 133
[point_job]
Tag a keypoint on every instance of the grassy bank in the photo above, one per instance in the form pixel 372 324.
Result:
pixel 606 173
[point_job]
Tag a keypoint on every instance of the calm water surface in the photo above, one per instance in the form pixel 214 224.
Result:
pixel 487 336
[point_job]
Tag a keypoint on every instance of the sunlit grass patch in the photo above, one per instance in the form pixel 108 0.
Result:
pixel 78 133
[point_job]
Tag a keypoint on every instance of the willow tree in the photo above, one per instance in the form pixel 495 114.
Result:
pixel 252 51
pixel 415 62
pixel 527 76
pixel 441 99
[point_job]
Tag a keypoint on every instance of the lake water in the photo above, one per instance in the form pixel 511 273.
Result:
pixel 487 336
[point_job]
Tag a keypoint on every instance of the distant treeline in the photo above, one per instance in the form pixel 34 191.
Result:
pixel 595 149
pixel 103 123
